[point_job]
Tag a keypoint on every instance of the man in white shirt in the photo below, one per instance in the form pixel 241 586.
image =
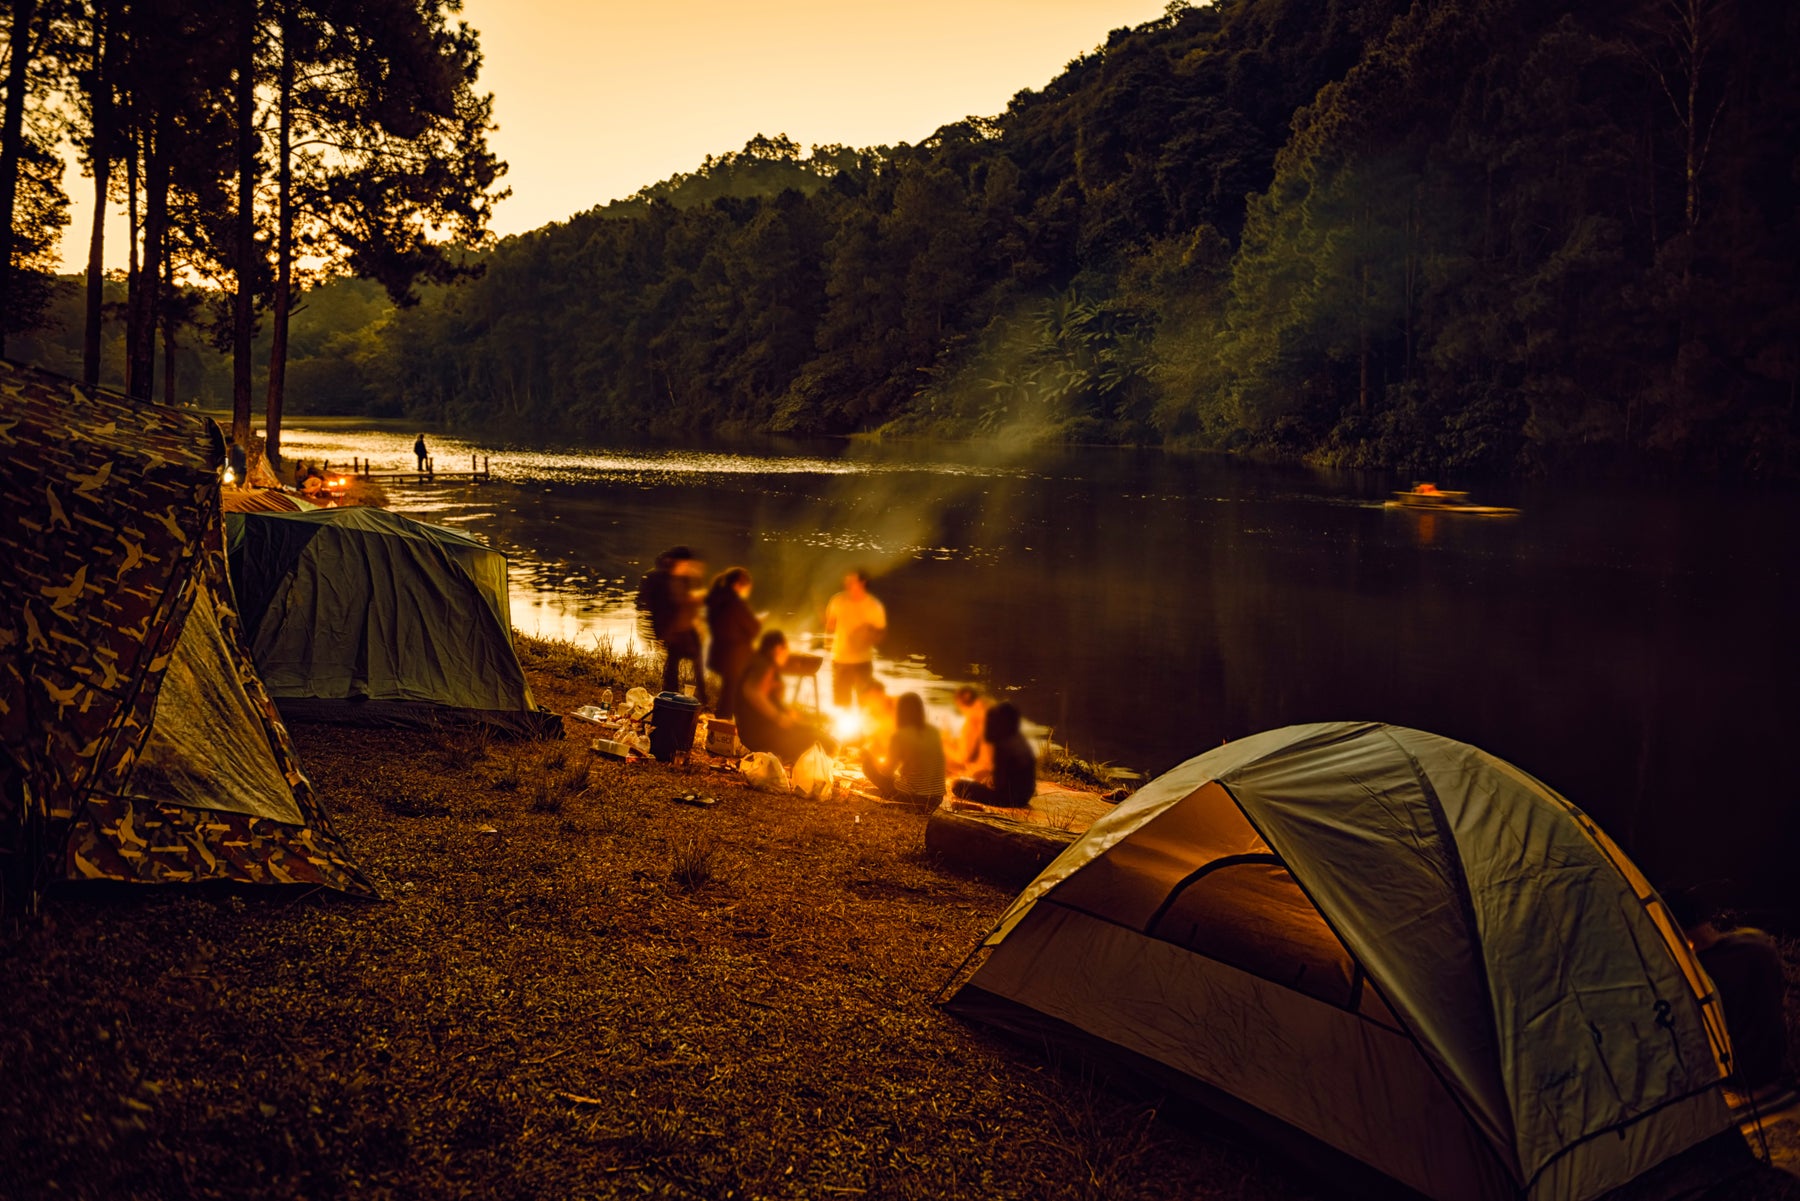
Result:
pixel 857 622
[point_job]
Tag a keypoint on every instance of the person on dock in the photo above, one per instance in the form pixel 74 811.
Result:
pixel 857 622
pixel 419 450
pixel 764 721
pixel 913 768
pixel 733 627
pixel 669 603
pixel 1014 780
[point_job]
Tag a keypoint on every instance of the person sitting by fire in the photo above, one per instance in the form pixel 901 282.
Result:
pixel 1745 966
pixel 734 627
pixel 764 721
pixel 878 714
pixel 968 753
pixel 1014 779
pixel 913 768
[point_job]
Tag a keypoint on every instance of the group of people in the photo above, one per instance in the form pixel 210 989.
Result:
pixel 987 759
pixel 906 758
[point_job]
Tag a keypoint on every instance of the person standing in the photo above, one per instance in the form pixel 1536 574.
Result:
pixel 420 452
pixel 734 627
pixel 668 601
pixel 857 622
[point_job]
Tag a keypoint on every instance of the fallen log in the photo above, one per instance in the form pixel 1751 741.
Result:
pixel 1002 849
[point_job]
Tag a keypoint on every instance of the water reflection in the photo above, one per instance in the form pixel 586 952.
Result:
pixel 1633 648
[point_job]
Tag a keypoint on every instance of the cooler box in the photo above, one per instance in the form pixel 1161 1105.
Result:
pixel 673 720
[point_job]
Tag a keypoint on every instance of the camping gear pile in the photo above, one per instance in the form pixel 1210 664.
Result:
pixel 139 744
pixel 1383 948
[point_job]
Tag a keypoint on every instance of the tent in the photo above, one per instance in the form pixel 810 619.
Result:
pixel 138 743
pixel 1384 943
pixel 264 500
pixel 359 615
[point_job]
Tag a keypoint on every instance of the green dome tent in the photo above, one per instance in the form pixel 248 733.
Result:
pixel 1385 941
pixel 363 616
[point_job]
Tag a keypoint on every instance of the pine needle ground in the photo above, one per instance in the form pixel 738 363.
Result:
pixel 575 987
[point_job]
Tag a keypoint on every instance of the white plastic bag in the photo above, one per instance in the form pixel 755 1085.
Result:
pixel 764 771
pixel 814 773
pixel 638 703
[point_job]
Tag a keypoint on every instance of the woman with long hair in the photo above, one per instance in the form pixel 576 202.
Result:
pixel 734 629
pixel 914 768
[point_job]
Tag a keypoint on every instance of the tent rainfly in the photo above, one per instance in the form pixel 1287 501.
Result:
pixel 363 616
pixel 1385 942
pixel 139 744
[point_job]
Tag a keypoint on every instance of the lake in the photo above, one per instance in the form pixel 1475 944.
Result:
pixel 1635 648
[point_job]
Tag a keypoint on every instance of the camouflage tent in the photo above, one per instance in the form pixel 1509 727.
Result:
pixel 139 744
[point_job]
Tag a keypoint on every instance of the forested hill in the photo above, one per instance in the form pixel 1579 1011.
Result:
pixel 1444 234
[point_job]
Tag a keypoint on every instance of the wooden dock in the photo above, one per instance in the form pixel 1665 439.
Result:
pixel 478 472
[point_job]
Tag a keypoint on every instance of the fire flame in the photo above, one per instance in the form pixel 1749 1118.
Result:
pixel 847 725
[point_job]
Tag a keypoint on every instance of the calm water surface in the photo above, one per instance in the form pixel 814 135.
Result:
pixel 1636 649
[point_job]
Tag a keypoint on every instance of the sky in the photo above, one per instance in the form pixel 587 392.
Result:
pixel 594 100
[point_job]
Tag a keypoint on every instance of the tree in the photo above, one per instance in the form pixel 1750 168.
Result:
pixel 33 207
pixel 377 110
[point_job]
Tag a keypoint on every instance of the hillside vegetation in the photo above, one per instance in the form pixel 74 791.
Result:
pixel 1503 235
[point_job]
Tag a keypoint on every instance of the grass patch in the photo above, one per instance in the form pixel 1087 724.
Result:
pixel 605 664
pixel 510 775
pixel 692 864
pixel 462 747
pixel 546 793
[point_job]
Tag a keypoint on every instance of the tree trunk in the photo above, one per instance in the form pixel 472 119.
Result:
pixel 139 380
pixel 100 156
pixel 242 322
pixel 168 332
pixel 1362 339
pixel 134 229
pixel 12 146
pixel 284 250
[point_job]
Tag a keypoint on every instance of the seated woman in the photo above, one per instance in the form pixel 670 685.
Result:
pixel 1015 763
pixel 914 768
pixel 968 753
pixel 764 721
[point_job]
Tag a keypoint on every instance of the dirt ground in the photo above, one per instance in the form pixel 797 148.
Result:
pixel 575 987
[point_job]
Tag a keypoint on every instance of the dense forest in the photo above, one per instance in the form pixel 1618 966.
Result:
pixel 254 146
pixel 1505 235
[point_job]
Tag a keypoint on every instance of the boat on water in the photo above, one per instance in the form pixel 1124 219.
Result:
pixel 1429 498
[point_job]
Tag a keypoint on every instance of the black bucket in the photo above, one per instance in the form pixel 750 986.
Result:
pixel 673 720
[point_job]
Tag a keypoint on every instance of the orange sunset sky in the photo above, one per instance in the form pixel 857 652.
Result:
pixel 595 100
